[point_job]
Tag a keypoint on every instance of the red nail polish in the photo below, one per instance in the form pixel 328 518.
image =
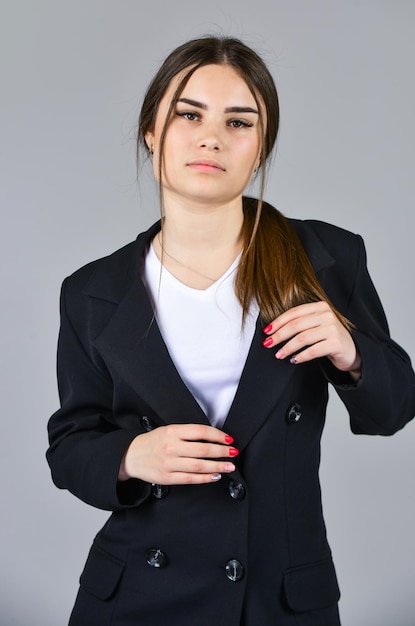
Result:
pixel 268 342
pixel 233 451
pixel 267 329
pixel 228 439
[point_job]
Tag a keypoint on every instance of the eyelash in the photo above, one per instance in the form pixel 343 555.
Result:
pixel 192 116
pixel 188 115
pixel 241 123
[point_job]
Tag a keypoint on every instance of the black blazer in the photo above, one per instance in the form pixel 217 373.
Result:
pixel 250 549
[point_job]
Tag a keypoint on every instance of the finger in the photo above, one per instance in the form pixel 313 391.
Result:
pixel 295 313
pixel 196 471
pixel 296 327
pixel 302 341
pixel 188 478
pixel 315 351
pixel 199 432
pixel 199 450
pixel 200 466
pixel 176 440
pixel 296 333
pixel 340 350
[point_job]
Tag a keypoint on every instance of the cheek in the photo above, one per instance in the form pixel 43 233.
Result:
pixel 248 149
pixel 172 156
pixel 177 135
pixel 176 148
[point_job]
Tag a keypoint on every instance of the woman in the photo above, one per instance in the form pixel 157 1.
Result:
pixel 193 369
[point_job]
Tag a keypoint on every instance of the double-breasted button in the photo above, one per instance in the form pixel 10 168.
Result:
pixel 236 490
pixel 147 423
pixel 294 413
pixel 156 558
pixel 234 570
pixel 159 491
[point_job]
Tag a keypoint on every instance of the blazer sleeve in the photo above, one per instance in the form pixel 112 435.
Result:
pixel 383 400
pixel 86 444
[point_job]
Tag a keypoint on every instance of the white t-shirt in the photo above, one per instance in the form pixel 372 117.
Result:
pixel 203 332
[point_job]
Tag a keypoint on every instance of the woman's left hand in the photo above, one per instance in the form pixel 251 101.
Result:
pixel 310 331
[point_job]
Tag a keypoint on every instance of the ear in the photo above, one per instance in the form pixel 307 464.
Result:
pixel 149 139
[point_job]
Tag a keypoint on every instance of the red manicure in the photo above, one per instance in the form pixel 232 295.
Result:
pixel 268 342
pixel 233 451
pixel 267 329
pixel 228 439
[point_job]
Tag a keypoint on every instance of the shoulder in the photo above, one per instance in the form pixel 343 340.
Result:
pixel 324 243
pixel 329 234
pixel 321 238
pixel 117 259
pixel 110 275
pixel 338 257
pixel 316 234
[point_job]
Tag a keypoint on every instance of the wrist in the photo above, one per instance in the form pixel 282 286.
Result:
pixel 356 369
pixel 122 472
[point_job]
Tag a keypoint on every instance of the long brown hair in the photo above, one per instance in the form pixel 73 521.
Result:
pixel 278 280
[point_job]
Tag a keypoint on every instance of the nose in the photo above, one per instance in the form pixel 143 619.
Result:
pixel 210 138
pixel 210 144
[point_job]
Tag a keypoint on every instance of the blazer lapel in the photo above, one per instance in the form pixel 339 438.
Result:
pixel 133 344
pixel 261 387
pixel 131 341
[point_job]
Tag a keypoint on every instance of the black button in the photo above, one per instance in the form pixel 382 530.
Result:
pixel 159 491
pixel 156 558
pixel 234 570
pixel 294 413
pixel 147 423
pixel 236 490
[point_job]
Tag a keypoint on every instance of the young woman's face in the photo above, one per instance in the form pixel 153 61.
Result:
pixel 213 141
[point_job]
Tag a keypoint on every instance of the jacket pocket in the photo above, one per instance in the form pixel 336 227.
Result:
pixel 102 573
pixel 311 587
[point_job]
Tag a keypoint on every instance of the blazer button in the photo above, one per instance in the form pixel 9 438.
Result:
pixel 234 570
pixel 147 423
pixel 294 413
pixel 156 558
pixel 236 490
pixel 159 491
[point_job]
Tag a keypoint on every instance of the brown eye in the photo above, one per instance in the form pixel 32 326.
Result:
pixel 188 115
pixel 239 124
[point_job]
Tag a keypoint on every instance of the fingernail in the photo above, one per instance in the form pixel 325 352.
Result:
pixel 228 439
pixel 229 467
pixel 233 451
pixel 268 342
pixel 267 329
pixel 216 476
pixel 293 360
pixel 278 354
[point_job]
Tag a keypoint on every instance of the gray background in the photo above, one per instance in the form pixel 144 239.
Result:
pixel 73 75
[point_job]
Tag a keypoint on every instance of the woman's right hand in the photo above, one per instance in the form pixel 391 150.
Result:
pixel 179 454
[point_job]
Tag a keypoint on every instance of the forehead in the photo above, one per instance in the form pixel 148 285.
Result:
pixel 213 83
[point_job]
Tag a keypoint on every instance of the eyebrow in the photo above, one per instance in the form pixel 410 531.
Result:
pixel 201 105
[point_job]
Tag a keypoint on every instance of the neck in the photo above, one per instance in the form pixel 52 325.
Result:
pixel 196 229
pixel 199 246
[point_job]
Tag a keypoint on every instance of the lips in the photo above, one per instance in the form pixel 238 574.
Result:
pixel 206 165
